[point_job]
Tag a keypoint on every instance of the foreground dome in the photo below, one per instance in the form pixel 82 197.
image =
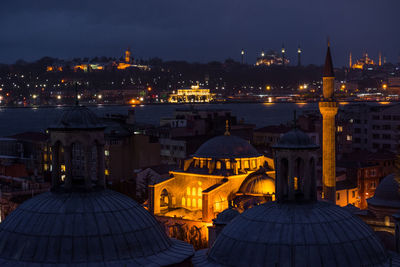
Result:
pixel 78 117
pixel 100 228
pixel 226 146
pixel 387 193
pixel 294 234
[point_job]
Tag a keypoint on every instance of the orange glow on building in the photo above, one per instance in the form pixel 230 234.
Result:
pixel 194 94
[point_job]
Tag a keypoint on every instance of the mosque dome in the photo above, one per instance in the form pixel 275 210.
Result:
pixel 97 228
pixel 387 193
pixel 226 146
pixel 295 234
pixel 226 216
pixel 259 184
pixel 295 139
pixel 78 117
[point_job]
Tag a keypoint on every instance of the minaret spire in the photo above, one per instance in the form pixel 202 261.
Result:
pixel 76 94
pixel 328 108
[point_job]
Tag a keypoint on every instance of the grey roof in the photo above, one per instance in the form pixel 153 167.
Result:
pixel 295 139
pixel 290 234
pixel 102 228
pixel 78 117
pixel 387 193
pixel 225 147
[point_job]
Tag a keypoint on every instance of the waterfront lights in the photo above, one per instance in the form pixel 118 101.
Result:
pixel 99 96
pixel 384 86
pixel 58 97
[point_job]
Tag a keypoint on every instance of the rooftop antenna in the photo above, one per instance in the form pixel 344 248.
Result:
pixel 227 128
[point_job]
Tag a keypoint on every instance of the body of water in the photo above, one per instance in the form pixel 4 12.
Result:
pixel 17 120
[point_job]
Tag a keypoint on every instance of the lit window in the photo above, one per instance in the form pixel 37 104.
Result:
pixel 340 129
pixel 349 138
pixel 193 191
pixel 218 165
pixel 246 164
pixel 296 185
pixel 107 152
pixel 183 201
pixel 199 203
pixel 63 168
pixel 189 202
pixel 228 165
pixel 106 172
pixel 45 167
pixel 188 191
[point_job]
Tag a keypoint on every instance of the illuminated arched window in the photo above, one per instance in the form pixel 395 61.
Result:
pixel 189 202
pixel 217 206
pixel 183 201
pixel 188 191
pixel 218 165
pixel 296 183
pixel 228 165
pixel 199 191
pixel 254 163
pixel 194 203
pixel 200 203
pixel 193 191
pixel 246 164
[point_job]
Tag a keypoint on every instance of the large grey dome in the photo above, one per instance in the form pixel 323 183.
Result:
pixel 102 228
pixel 314 234
pixel 295 139
pixel 78 117
pixel 387 193
pixel 226 146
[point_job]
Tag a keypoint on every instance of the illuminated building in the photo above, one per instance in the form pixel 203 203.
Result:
pixel 82 222
pixel 296 229
pixel 270 59
pixel 364 61
pixel 128 56
pixel 194 94
pixel 328 108
pixel 224 170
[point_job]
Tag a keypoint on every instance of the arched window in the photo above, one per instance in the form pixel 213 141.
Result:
pixel 78 160
pixel 228 165
pixel 200 203
pixel 189 202
pixel 183 202
pixel 193 191
pixel 194 203
pixel 188 191
pixel 218 165
pixel 246 164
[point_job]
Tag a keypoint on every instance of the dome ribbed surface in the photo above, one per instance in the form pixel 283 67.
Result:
pixel 258 184
pixel 295 139
pixel 387 193
pixel 78 117
pixel 315 234
pixel 225 147
pixel 101 228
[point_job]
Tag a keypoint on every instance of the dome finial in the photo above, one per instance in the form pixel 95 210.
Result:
pixel 227 128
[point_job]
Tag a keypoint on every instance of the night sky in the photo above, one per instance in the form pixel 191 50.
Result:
pixel 200 31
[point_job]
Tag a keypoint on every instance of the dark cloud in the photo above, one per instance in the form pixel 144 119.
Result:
pixel 197 30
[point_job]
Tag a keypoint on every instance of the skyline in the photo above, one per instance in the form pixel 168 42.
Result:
pixel 199 32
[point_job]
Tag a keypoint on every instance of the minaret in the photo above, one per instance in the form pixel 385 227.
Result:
pixel 128 55
pixel 380 58
pixel 242 54
pixel 350 61
pixel 283 54
pixel 328 108
pixel 299 56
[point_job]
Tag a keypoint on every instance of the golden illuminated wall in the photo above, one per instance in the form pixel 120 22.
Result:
pixel 207 194
pixel 195 94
